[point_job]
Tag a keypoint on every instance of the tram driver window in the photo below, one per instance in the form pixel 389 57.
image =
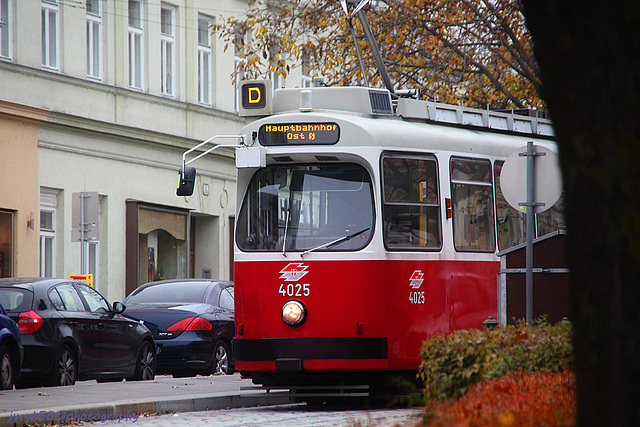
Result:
pixel 411 214
pixel 472 205
pixel 307 207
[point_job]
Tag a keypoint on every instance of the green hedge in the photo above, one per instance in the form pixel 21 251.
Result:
pixel 452 363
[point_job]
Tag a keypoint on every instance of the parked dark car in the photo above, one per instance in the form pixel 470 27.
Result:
pixel 192 321
pixel 10 351
pixel 70 332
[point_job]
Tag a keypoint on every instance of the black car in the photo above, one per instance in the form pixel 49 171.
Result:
pixel 10 351
pixel 70 332
pixel 192 321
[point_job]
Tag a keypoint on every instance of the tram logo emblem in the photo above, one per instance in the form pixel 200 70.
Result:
pixel 416 279
pixel 293 272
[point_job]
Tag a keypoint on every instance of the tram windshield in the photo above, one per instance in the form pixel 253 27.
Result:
pixel 307 207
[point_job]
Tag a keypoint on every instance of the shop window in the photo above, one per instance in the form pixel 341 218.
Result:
pixel 162 245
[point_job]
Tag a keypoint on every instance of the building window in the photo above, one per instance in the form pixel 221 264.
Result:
pixel 6 243
pixel 238 66
pixel 92 254
pixel 472 205
pixel 47 243
pixel 204 60
pixel 94 39
pixel 307 80
pixel 136 34
pixel 277 81
pixel 48 209
pixel 5 29
pixel 168 42
pixel 50 34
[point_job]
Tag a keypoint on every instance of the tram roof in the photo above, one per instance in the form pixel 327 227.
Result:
pixel 378 102
pixel 405 123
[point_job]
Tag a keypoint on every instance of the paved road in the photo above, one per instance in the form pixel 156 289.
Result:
pixel 40 406
pixel 299 415
pixel 190 400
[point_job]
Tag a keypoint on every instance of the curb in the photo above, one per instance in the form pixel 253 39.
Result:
pixel 131 410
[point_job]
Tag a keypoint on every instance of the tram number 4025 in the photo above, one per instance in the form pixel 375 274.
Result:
pixel 416 297
pixel 294 290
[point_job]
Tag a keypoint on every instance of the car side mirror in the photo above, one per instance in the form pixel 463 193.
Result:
pixel 118 307
pixel 186 181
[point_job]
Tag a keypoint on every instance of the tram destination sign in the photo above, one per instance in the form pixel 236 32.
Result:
pixel 325 133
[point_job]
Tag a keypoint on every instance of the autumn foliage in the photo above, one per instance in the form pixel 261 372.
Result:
pixel 516 375
pixel 516 399
pixel 472 52
pixel 452 363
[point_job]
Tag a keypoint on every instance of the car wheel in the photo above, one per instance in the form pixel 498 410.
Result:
pixel 64 368
pixel 6 368
pixel 221 358
pixel 146 365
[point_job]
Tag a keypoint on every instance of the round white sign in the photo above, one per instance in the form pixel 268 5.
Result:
pixel 548 181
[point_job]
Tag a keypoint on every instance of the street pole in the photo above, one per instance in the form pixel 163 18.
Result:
pixel 530 220
pixel 83 232
pixel 530 204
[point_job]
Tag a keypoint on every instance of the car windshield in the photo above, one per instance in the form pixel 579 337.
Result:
pixel 15 299
pixel 307 207
pixel 180 292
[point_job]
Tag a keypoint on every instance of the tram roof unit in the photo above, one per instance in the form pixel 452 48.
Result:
pixel 378 102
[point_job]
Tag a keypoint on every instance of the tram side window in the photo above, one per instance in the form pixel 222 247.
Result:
pixel 411 211
pixel 552 219
pixel 511 223
pixel 472 205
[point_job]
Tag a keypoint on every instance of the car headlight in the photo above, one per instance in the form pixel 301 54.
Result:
pixel 294 313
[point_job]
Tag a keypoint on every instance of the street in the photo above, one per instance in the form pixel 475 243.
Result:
pixel 299 415
pixel 221 400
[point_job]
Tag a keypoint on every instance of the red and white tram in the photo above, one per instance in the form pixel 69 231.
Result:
pixel 364 226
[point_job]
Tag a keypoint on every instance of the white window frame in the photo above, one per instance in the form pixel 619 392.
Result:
pixel 50 12
pixel 204 63
pixel 168 51
pixel 94 42
pixel 49 204
pixel 277 81
pixel 237 62
pixel 136 48
pixel 5 29
pixel 306 81
pixel 92 260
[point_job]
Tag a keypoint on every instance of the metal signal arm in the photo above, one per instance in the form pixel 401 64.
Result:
pixel 241 139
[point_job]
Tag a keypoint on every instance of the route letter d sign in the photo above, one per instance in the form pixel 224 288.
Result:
pixel 255 98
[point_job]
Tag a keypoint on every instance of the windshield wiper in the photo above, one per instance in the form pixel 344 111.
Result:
pixel 335 242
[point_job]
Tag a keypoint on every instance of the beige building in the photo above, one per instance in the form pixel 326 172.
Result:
pixel 98 101
pixel 19 189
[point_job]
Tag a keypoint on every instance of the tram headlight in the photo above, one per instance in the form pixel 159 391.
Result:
pixel 294 313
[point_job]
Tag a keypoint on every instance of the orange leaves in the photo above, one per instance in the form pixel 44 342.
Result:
pixel 474 52
pixel 516 399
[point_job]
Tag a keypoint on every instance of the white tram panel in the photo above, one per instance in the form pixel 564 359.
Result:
pixel 365 135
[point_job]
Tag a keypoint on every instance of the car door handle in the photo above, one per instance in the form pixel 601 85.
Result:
pixel 100 325
pixel 73 324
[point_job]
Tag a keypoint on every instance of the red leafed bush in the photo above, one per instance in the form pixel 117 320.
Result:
pixel 516 399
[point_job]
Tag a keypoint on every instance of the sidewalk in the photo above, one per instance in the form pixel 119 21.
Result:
pixel 87 400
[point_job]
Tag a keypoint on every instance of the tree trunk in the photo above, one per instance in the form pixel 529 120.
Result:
pixel 589 55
